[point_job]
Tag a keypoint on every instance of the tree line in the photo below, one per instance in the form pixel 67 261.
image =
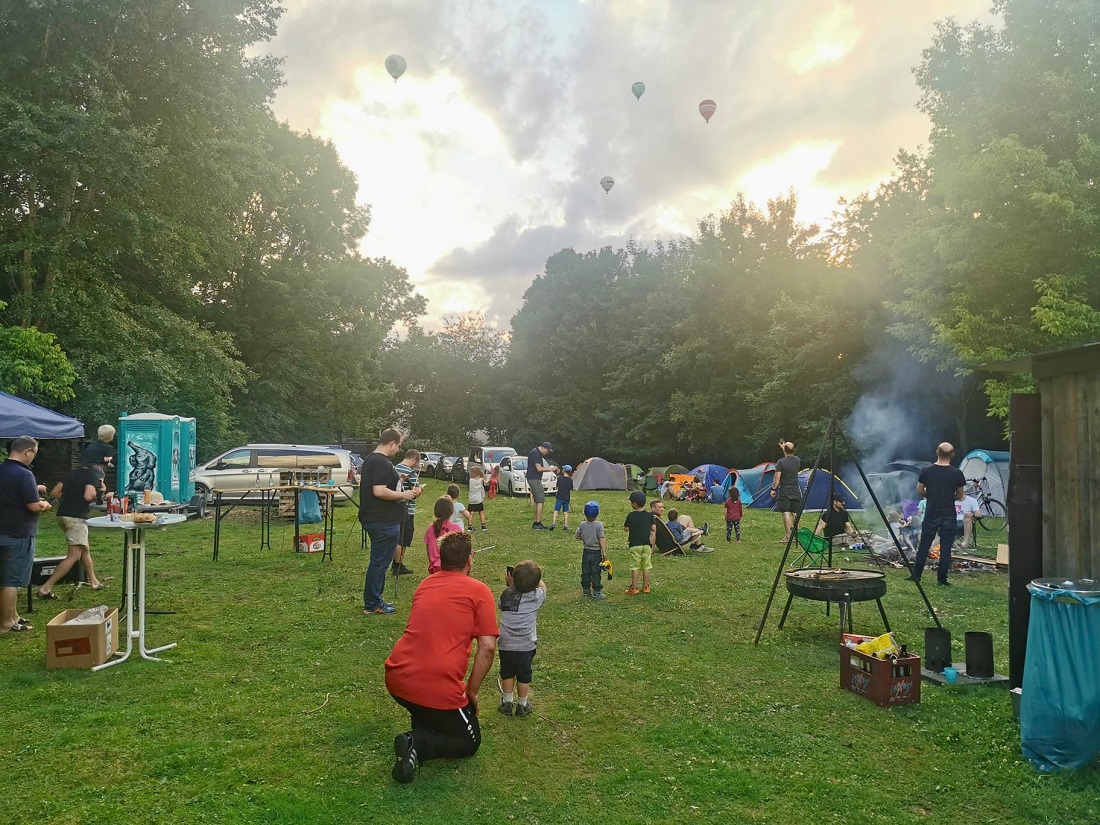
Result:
pixel 167 244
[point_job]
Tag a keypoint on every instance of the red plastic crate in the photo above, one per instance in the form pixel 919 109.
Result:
pixel 885 682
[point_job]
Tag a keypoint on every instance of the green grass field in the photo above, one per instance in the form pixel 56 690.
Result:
pixel 648 709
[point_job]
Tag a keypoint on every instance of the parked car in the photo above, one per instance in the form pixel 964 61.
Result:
pixel 443 467
pixel 489 457
pixel 513 477
pixel 460 471
pixel 428 462
pixel 261 465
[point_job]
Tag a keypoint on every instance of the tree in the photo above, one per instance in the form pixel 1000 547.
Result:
pixel 33 366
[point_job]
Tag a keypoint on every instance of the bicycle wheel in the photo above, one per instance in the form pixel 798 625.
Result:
pixel 992 516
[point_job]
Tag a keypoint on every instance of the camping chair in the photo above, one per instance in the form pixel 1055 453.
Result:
pixel 813 547
pixel 650 484
pixel 668 546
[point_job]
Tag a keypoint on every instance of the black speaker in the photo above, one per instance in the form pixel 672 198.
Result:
pixel 937 648
pixel 43 568
pixel 979 655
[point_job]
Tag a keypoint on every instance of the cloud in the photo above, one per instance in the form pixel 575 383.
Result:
pixel 485 158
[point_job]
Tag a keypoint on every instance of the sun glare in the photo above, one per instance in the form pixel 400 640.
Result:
pixel 831 40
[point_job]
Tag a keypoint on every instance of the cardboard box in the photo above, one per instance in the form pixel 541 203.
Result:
pixel 80 645
pixel 311 543
pixel 885 682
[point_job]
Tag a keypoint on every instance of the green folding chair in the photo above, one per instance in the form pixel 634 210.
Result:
pixel 814 548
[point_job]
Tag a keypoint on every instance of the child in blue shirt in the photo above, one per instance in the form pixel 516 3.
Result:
pixel 561 499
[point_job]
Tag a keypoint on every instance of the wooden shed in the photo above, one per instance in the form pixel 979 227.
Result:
pixel 1069 399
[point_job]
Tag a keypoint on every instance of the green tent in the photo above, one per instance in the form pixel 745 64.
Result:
pixel 656 475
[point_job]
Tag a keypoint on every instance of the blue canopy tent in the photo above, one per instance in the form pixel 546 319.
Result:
pixel 19 417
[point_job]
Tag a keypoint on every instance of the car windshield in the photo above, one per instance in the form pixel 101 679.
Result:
pixel 494 456
pixel 519 464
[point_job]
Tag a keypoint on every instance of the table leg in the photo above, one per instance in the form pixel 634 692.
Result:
pixel 139 548
pixel 297 523
pixel 266 498
pixel 128 574
pixel 217 522
pixel 330 526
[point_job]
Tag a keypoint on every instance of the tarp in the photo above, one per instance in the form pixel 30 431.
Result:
pixel 990 466
pixel 599 474
pixel 19 417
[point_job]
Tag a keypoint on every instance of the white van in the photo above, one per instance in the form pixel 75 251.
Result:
pixel 489 457
pixel 261 465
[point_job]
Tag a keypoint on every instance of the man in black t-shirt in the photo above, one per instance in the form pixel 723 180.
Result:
pixel 941 485
pixel 81 488
pixel 836 521
pixel 382 514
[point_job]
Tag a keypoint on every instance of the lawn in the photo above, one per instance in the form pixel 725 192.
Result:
pixel 653 708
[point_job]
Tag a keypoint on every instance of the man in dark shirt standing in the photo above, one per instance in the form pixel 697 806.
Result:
pixel 20 504
pixel 785 489
pixel 941 485
pixel 382 514
pixel 535 469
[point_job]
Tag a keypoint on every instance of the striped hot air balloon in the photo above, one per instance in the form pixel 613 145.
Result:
pixel 707 109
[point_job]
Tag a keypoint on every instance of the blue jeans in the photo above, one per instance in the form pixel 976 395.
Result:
pixel 383 544
pixel 947 529
pixel 16 559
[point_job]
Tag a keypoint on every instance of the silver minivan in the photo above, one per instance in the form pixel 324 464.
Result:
pixel 256 466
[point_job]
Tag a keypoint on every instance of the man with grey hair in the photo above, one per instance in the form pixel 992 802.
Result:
pixel 941 485
pixel 99 452
pixel 20 504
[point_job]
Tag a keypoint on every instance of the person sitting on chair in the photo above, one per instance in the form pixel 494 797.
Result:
pixel 836 522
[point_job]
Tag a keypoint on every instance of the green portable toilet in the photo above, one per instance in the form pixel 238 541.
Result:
pixel 154 452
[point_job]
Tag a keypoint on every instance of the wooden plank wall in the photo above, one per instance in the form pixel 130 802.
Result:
pixel 1071 475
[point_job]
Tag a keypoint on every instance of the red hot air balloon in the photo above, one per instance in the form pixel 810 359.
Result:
pixel 707 108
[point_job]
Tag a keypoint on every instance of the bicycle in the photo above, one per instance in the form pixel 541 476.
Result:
pixel 992 516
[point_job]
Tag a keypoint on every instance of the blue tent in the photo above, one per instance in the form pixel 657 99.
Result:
pixel 19 417
pixel 710 474
pixel 758 481
pixel 817 498
pixel 734 481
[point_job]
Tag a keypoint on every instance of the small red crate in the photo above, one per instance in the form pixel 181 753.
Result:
pixel 885 682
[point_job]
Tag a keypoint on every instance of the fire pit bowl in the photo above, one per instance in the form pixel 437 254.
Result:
pixel 836 585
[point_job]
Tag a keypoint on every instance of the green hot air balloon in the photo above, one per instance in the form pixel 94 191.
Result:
pixel 638 89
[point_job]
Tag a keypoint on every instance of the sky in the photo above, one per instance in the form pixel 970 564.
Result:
pixel 486 156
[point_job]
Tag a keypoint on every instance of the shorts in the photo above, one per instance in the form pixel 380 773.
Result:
pixel 407 532
pixel 561 506
pixel 641 557
pixel 16 560
pixel 479 507
pixel 517 664
pixel 537 492
pixel 788 504
pixel 75 530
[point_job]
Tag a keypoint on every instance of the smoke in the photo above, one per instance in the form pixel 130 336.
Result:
pixel 880 428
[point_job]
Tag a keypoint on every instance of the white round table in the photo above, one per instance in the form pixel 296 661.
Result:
pixel 133 548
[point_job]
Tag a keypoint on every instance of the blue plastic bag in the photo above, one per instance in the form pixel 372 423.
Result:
pixel 309 507
pixel 1060 704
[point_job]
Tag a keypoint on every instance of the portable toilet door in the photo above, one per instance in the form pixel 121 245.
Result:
pixel 149 454
pixel 188 436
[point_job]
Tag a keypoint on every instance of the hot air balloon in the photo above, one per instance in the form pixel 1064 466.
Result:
pixel 707 108
pixel 607 182
pixel 638 89
pixel 395 65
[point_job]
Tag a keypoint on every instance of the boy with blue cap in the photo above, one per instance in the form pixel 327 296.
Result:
pixel 591 535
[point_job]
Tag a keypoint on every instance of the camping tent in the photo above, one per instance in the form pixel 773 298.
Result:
pixel 757 481
pixel 598 474
pixel 817 498
pixel 893 486
pixel 711 474
pixel 19 417
pixel 657 475
pixel 636 475
pixel 990 466
pixel 735 482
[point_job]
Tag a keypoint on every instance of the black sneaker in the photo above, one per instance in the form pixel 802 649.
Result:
pixel 404 748
pixel 706 529
pixel 553 527
pixel 506 707
pixel 484 528
pixel 524 710
pixel 538 525
pixel 944 584
pixel 402 570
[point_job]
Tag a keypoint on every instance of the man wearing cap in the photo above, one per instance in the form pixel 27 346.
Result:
pixel 535 469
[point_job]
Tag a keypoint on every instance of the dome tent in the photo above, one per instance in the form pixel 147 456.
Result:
pixel 596 473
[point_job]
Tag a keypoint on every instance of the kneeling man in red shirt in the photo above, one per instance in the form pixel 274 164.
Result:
pixel 426 672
